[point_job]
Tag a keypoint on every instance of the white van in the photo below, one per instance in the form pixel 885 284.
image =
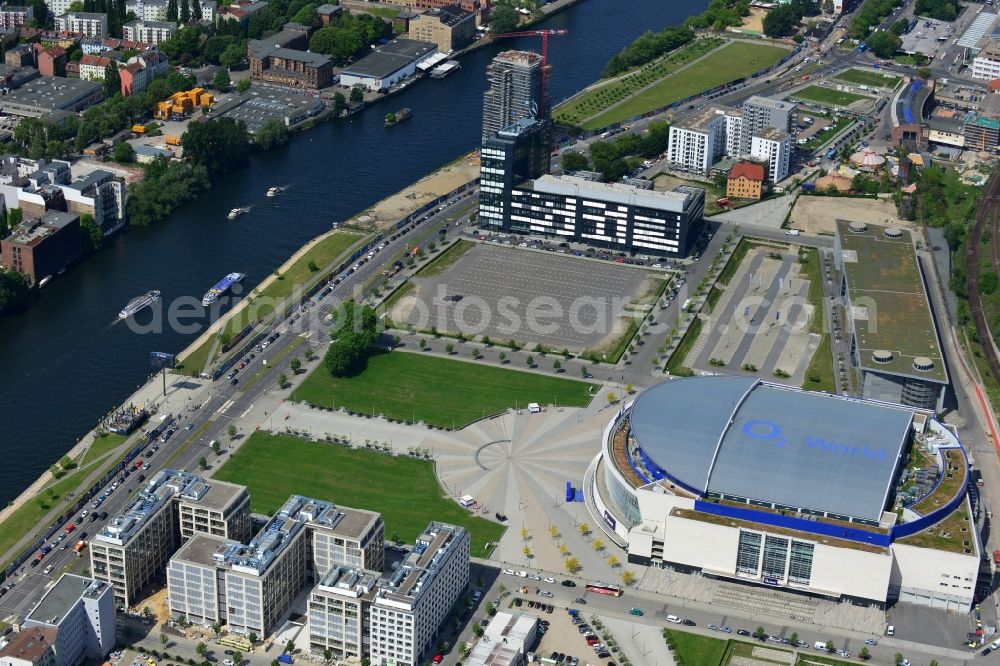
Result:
pixel 890 630
pixel 820 645
pixel 673 619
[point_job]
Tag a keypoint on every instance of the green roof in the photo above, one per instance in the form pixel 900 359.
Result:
pixel 888 303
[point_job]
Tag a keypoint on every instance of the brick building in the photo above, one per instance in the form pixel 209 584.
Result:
pixel 746 181
pixel 286 67
pixel 42 246
pixel 448 28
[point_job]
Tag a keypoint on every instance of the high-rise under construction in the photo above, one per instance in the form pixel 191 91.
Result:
pixel 515 90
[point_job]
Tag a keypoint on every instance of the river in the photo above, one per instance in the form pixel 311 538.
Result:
pixel 63 363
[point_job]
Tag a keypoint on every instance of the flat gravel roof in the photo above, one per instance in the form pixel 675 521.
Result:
pixel 769 443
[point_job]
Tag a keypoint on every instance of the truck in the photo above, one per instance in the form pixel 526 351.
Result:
pixel 172 141
pixel 78 548
pixel 285 658
pixel 996 557
pixel 830 153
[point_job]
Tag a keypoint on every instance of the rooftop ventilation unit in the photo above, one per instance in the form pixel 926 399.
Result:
pixel 893 232
pixel 858 227
pixel 882 356
pixel 923 364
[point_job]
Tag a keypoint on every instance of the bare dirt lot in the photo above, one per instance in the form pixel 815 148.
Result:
pixel 391 209
pixel 816 215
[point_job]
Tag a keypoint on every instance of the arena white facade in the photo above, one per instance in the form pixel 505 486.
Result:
pixel 739 479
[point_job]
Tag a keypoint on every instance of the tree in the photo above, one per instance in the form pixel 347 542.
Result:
pixel 525 534
pixel 449 348
pixel 781 21
pixel 112 81
pixel 864 653
pixel 283 382
pixel 221 80
pixel 584 529
pixel 124 153
pixel 91 234
pixel 231 431
pixel 503 18
pixel 829 646
pixel 572 565
pixel 898 659
pixel 196 10
pixel 219 145
pixel 327 654
pixel 172 11
pixel 237 658
pixel 339 104
pixel 530 361
pixel 884 44
pixel 477 630
pixel 203 463
pixel 216 447
pixel 924 73
pixel 612 561
pixel 40 13
pixel 630 389
pixel 557 365
pixel 290 646
pixel 185 11
pixel 243 85
pixel 201 649
pixel 553 531
pixel 628 577
pixel 357 95
pixel 759 633
pixel 598 544
pixel 574 161
pixel 272 134
pixel 502 356
pixel 253 638
pixel 163 640
pixel 611 398
pixel 794 638
pixel 295 364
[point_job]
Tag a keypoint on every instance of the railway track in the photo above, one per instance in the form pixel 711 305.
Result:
pixel 987 215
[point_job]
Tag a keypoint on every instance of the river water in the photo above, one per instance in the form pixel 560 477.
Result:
pixel 63 364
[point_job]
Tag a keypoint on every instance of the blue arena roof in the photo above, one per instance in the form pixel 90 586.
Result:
pixel 740 437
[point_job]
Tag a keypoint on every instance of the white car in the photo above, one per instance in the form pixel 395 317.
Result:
pixel 550 579
pixel 546 593
pixel 509 572
pixel 534 577
pixel 227 662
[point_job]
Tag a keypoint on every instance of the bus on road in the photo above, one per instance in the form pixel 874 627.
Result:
pixel 604 588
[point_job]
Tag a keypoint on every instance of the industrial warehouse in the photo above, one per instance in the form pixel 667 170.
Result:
pixel 739 479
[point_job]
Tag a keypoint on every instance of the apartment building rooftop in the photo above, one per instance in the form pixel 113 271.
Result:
pixel 203 549
pixel 62 596
pixel 350 582
pixel 213 495
pixel 772 134
pixel 699 122
pixel 30 644
pixel 421 565
pixel 768 102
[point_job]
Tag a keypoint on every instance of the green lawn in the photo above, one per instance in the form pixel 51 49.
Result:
pixel 827 96
pixel 866 78
pixel 101 446
pixel 404 490
pixel 24 520
pixel 676 361
pixel 821 366
pixel 695 650
pixel 446 259
pixel 437 391
pixel 732 61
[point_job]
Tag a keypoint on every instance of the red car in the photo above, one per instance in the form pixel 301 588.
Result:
pixel 438 658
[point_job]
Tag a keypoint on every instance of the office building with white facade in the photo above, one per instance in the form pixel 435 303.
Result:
pixel 149 32
pixel 249 586
pixel 338 612
pixel 616 216
pixel 505 641
pixel 986 64
pixel 83 24
pixel 409 607
pixel 133 548
pixel 773 146
pixel 82 612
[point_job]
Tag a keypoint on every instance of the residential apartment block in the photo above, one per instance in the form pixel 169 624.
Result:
pixel 93 67
pixel 745 181
pixel 986 64
pixel 34 647
pixel 42 246
pixel 133 549
pixel 81 613
pixel 149 32
pixel 249 585
pixel 101 195
pixel 15 16
pixel 773 146
pixel 448 28
pixel 83 24
pixel 409 607
pixel 759 113
pixel 698 141
pixel 515 90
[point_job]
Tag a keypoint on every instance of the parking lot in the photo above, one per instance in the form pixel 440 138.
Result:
pixel 928 36
pixel 532 297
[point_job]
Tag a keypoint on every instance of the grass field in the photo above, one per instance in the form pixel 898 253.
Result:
pixel 446 259
pixel 676 361
pixel 732 61
pixel 414 386
pixel 827 96
pixel 695 650
pixel 865 78
pixel 322 253
pixel 404 490
pixel 101 446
